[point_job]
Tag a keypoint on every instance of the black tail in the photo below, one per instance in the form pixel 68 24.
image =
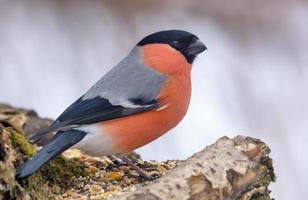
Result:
pixel 61 142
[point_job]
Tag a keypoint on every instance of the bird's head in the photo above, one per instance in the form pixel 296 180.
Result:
pixel 168 50
pixel 186 43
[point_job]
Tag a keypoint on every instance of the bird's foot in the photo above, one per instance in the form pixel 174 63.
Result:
pixel 126 161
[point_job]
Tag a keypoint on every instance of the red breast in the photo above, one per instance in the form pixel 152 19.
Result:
pixel 131 132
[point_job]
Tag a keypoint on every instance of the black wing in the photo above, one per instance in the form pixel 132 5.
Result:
pixel 99 109
pixel 91 111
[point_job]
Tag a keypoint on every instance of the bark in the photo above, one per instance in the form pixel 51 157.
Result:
pixel 236 168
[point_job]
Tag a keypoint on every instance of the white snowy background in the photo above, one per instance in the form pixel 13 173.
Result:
pixel 253 80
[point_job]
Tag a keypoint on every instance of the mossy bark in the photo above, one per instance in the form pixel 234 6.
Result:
pixel 237 168
pixel 52 180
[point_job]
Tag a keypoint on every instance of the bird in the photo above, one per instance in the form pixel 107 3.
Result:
pixel 138 100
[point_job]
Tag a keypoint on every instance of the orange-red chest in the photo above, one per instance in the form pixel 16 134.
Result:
pixel 131 132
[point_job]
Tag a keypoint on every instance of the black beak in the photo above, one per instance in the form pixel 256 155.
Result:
pixel 196 47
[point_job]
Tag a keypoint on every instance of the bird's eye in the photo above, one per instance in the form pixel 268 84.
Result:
pixel 176 44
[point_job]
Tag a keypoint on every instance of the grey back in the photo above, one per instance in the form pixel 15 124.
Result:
pixel 128 80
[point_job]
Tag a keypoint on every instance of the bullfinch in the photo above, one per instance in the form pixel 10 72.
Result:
pixel 137 101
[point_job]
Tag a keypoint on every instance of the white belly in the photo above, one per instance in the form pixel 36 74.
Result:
pixel 95 143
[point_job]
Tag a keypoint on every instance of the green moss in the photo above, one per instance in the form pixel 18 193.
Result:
pixel 265 180
pixel 64 172
pixel 269 175
pixel 54 178
pixel 259 196
pixel 19 141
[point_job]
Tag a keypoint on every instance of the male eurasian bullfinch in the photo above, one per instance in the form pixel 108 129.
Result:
pixel 138 100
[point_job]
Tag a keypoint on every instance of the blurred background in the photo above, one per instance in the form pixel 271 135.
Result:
pixel 253 80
